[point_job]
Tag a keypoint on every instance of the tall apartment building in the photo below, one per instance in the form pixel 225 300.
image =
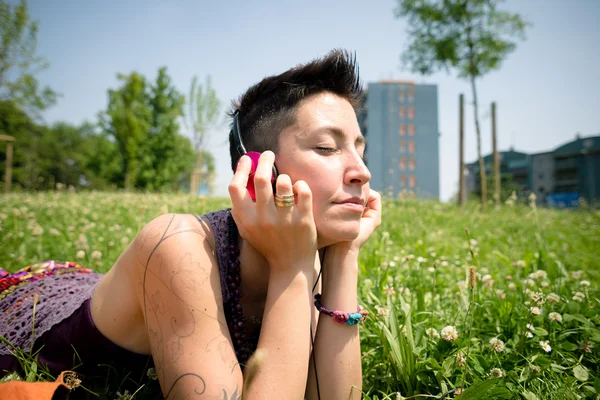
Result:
pixel 400 122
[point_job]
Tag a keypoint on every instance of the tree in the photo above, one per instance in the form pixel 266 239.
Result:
pixel 204 107
pixel 166 154
pixel 128 120
pixel 18 62
pixel 471 36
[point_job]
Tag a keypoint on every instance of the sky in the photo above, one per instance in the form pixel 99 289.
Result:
pixel 546 91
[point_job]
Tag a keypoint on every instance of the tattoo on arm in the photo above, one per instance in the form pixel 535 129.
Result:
pixel 191 375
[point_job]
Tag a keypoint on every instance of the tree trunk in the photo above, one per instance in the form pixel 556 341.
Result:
pixel 461 168
pixel 482 175
pixel 496 157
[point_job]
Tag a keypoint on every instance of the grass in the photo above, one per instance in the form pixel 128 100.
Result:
pixel 462 304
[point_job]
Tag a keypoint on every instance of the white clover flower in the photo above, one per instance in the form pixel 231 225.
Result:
pixel 512 286
pixel 390 291
pixel 535 310
pixel 449 333
pixel 500 293
pixel 530 327
pixel 96 255
pixel 124 240
pixel 444 264
pixel 577 275
pixel 553 298
pixel 497 345
pixel 384 312
pixel 460 359
pixel 578 296
pixel 539 275
pixel 80 254
pixel 497 373
pixel 519 263
pixel 368 283
pixel 54 232
pixel 432 333
pixel 545 284
pixel 545 346
pixel 555 317
pixel 392 264
pixel 584 283
pixel 421 259
pixel 537 297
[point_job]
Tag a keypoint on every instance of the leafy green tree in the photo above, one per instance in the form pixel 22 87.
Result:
pixel 166 155
pixel 471 36
pixel 203 112
pixel 128 119
pixel 18 61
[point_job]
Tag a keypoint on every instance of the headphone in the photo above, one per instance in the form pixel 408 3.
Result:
pixel 254 156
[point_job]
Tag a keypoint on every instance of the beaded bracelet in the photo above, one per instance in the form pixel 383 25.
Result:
pixel 340 316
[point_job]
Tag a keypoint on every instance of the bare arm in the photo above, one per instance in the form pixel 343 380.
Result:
pixel 180 294
pixel 337 346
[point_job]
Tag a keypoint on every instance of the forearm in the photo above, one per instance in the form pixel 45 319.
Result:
pixel 285 336
pixel 337 346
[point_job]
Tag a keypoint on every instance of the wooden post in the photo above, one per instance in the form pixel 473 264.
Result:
pixel 496 156
pixel 462 192
pixel 9 157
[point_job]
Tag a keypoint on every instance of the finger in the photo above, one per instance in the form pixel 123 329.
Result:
pixel 303 197
pixel 262 179
pixel 284 185
pixel 373 208
pixel 237 187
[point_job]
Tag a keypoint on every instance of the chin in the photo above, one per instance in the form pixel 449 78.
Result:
pixel 339 232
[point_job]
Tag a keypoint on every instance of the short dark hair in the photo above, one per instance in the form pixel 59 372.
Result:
pixel 270 106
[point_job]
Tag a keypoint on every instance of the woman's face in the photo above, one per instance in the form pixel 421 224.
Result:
pixel 324 148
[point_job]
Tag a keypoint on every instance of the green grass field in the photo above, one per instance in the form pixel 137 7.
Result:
pixel 497 305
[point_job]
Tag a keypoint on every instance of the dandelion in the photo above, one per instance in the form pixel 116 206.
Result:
pixel 432 333
pixel 384 312
pixel 553 298
pixel 497 345
pixel 80 254
pixel 461 360
pixel 584 283
pixel 449 333
pixel 497 373
pixel 535 310
pixel 96 255
pixel 555 317
pixel 545 346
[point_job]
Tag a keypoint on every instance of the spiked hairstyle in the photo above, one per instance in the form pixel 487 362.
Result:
pixel 270 106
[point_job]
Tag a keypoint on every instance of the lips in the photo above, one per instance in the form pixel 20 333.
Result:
pixel 353 200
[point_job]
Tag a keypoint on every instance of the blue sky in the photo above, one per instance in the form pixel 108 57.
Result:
pixel 546 91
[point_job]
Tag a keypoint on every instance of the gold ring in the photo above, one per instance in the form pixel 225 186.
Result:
pixel 284 201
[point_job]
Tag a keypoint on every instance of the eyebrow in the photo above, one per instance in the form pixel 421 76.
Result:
pixel 337 132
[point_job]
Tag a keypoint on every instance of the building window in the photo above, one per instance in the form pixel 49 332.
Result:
pixel 402 180
pixel 411 146
pixel 412 164
pixel 402 146
pixel 411 130
pixel 411 90
pixel 411 112
pixel 411 99
pixel 402 112
pixel 401 96
pixel 412 181
pixel 402 130
pixel 402 164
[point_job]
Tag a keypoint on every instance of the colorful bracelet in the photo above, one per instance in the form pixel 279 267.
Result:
pixel 340 316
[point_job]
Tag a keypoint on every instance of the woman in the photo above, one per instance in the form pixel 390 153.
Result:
pixel 201 293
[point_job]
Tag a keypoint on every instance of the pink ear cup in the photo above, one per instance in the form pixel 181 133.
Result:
pixel 254 156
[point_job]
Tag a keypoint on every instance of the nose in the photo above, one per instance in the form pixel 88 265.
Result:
pixel 356 170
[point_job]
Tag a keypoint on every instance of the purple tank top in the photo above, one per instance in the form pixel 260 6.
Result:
pixel 62 289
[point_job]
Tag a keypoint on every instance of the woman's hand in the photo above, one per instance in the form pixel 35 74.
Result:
pixel 370 220
pixel 285 236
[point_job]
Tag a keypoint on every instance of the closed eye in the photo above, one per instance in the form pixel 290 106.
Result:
pixel 327 149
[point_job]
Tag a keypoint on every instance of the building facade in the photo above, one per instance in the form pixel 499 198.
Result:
pixel 400 122
pixel 562 177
